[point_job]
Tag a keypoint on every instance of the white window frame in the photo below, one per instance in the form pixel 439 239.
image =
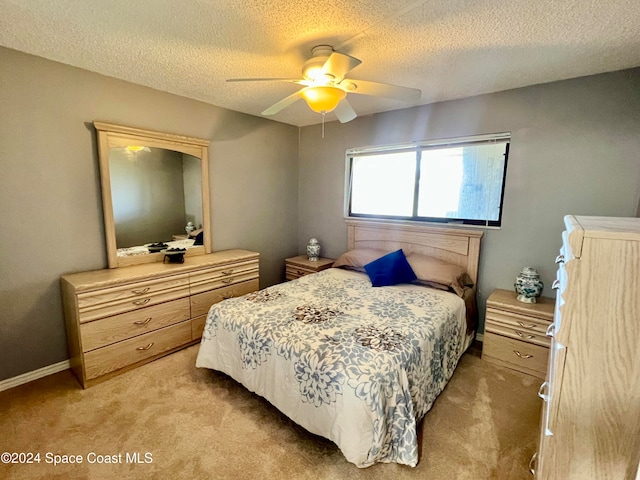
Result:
pixel 417 147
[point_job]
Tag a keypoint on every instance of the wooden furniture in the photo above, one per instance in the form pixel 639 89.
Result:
pixel 120 318
pixel 300 266
pixel 515 332
pixel 590 425
pixel 191 158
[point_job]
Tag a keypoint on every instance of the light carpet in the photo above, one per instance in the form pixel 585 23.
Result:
pixel 190 423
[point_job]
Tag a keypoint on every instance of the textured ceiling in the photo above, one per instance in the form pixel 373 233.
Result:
pixel 449 48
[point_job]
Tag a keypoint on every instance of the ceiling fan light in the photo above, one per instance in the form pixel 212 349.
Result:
pixel 313 67
pixel 313 71
pixel 322 98
pixel 137 148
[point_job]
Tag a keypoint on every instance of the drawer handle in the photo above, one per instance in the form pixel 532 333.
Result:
pixel 543 388
pixel 227 296
pixel 142 323
pixel 227 272
pixel 551 330
pixel 141 302
pixel 532 464
pixel 140 291
pixel 227 280
pixel 525 356
pixel 144 349
pixel 300 272
pixel 531 325
pixel 522 335
pixel 555 285
pixel 560 259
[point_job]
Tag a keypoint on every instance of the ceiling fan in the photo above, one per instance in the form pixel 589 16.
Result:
pixel 325 86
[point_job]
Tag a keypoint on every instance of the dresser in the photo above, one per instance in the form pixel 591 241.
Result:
pixel 590 427
pixel 296 267
pixel 118 319
pixel 515 332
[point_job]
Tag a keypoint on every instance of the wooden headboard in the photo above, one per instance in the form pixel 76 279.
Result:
pixel 454 245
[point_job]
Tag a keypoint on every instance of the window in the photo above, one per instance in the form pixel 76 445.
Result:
pixel 457 181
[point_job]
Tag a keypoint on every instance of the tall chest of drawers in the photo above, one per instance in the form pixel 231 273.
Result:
pixel 590 426
pixel 117 319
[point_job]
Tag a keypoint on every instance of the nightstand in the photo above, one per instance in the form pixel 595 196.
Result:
pixel 300 266
pixel 515 332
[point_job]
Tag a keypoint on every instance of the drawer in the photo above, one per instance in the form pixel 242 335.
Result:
pixel 201 302
pixel 532 325
pixel 197 327
pixel 555 374
pixel 523 334
pixel 295 271
pixel 106 331
pixel 565 250
pixel 137 303
pixel 563 322
pixel 516 354
pixel 131 291
pixel 219 277
pixel 143 347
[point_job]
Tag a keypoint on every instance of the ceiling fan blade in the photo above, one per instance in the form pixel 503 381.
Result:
pixel 282 104
pixel 345 112
pixel 338 64
pixel 306 83
pixel 396 92
pixel 263 80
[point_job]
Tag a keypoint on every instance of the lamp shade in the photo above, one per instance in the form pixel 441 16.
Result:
pixel 322 98
pixel 137 148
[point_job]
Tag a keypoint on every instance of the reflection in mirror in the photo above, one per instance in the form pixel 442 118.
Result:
pixel 155 193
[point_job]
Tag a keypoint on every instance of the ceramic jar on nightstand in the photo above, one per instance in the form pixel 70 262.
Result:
pixel 313 250
pixel 528 285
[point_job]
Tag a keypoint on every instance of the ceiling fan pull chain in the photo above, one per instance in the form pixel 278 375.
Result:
pixel 323 124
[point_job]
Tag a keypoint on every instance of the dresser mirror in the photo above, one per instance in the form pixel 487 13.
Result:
pixel 155 194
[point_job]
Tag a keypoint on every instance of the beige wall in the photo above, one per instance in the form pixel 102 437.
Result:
pixel 50 207
pixel 574 150
pixel 148 195
pixel 192 178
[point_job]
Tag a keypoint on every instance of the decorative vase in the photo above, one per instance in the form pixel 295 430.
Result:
pixel 528 285
pixel 190 228
pixel 313 250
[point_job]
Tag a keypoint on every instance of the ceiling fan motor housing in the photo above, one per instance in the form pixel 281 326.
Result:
pixel 326 87
pixel 312 68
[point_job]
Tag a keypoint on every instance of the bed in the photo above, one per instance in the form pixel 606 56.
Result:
pixel 356 364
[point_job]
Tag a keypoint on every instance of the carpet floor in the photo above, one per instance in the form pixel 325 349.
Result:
pixel 168 419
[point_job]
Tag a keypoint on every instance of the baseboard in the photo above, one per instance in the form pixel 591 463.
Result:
pixel 34 375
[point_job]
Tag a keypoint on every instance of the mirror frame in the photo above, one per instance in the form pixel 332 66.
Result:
pixel 110 135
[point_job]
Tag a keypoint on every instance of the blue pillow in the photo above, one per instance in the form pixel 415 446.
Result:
pixel 391 269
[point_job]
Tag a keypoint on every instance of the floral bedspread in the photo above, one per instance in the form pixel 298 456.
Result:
pixel 353 363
